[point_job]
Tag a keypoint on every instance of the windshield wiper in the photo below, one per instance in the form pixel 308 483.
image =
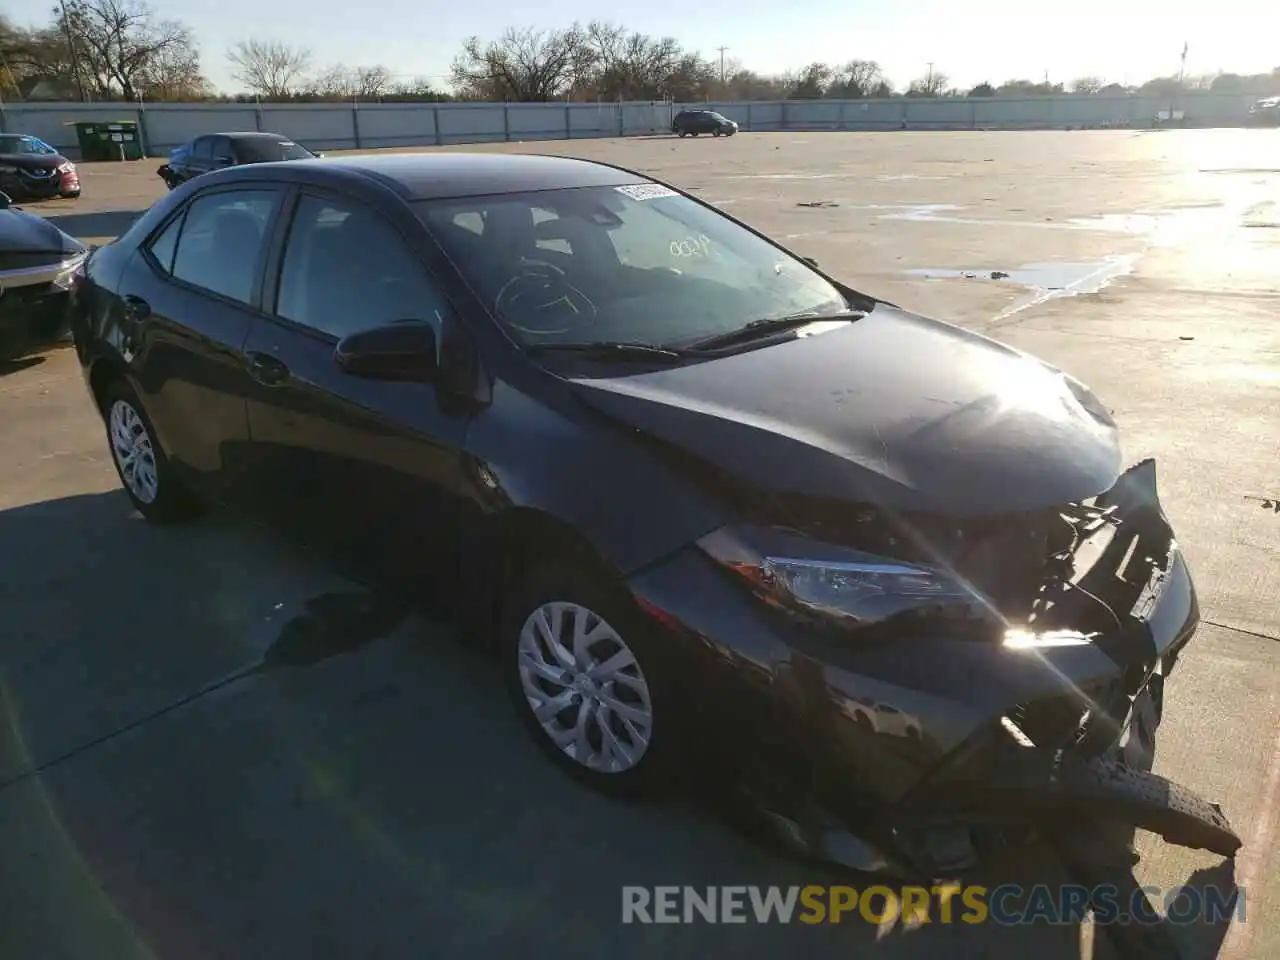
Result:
pixel 757 329
pixel 616 350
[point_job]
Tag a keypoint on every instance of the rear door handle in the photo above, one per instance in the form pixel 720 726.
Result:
pixel 267 369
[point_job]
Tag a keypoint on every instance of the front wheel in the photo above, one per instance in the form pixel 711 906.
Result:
pixel 589 681
pixel 144 470
pixel 716 132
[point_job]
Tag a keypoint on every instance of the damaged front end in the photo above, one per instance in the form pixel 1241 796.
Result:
pixel 997 677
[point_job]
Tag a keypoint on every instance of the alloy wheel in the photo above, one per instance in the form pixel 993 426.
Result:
pixel 585 687
pixel 134 451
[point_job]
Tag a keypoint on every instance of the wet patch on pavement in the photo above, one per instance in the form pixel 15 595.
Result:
pixel 1044 281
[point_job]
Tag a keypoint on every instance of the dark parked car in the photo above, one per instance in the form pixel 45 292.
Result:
pixel 214 151
pixel 39 265
pixel 1266 112
pixel 693 122
pixel 30 169
pixel 708 502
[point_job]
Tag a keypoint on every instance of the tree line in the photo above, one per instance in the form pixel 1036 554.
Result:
pixel 111 50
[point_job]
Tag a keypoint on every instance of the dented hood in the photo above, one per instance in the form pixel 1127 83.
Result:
pixel 893 409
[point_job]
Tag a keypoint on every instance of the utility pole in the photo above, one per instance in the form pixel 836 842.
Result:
pixel 1182 72
pixel 71 48
pixel 928 80
pixel 722 50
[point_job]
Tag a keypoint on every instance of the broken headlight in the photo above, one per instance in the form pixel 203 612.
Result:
pixel 794 573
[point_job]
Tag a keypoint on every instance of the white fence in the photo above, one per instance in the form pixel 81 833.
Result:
pixel 339 126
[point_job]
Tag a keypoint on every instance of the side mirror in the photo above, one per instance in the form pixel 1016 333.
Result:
pixel 398 351
pixel 317 154
pixel 5 201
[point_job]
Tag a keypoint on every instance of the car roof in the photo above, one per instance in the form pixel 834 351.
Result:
pixel 249 135
pixel 438 176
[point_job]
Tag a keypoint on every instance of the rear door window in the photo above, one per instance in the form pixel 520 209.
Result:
pixel 221 241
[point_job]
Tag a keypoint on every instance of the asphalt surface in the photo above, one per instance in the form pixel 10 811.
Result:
pixel 187 771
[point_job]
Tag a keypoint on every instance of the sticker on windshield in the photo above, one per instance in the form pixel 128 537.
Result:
pixel 646 191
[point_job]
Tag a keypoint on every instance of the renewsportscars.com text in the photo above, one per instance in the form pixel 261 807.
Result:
pixel 1006 905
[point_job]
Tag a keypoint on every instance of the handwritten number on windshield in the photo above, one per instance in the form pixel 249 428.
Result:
pixel 699 246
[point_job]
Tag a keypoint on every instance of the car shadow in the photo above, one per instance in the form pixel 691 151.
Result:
pixel 106 223
pixel 210 744
pixel 16 365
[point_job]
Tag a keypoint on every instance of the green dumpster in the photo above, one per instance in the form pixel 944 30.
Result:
pixel 110 140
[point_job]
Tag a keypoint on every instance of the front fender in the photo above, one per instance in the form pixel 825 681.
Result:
pixel 578 469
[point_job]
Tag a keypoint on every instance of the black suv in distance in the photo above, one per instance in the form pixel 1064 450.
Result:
pixel 213 151
pixel 694 122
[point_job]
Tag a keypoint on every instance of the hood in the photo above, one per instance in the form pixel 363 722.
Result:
pixel 892 409
pixel 32 161
pixel 27 240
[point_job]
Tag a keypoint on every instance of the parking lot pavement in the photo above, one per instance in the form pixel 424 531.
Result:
pixel 187 771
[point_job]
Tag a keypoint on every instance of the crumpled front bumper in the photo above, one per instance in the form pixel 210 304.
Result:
pixel 883 756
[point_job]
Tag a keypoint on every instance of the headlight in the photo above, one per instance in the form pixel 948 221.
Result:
pixel 67 167
pixel 847 586
pixel 71 269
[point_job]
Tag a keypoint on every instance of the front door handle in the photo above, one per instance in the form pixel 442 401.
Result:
pixel 135 308
pixel 267 369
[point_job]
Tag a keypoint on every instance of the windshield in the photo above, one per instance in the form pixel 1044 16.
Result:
pixel 267 151
pixel 636 264
pixel 11 144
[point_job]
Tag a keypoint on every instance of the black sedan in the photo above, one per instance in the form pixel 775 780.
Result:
pixel 214 151
pixel 39 265
pixel 711 505
pixel 30 169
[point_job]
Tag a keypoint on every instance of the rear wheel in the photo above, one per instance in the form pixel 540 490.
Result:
pixel 589 681
pixel 144 470
pixel 715 132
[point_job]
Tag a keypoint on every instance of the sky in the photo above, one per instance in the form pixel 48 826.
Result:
pixel 1126 41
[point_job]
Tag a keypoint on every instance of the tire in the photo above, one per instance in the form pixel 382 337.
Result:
pixel 682 133
pixel 147 476
pixel 715 132
pixel 633 751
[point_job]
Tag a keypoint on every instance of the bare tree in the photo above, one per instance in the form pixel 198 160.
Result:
pixel 628 65
pixel 1087 85
pixel 932 84
pixel 372 82
pixel 811 83
pixel 693 78
pixel 858 79
pixel 523 64
pixel 118 41
pixel 336 82
pixel 269 68
pixel 174 74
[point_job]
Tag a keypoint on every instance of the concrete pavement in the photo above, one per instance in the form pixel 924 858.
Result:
pixel 162 794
